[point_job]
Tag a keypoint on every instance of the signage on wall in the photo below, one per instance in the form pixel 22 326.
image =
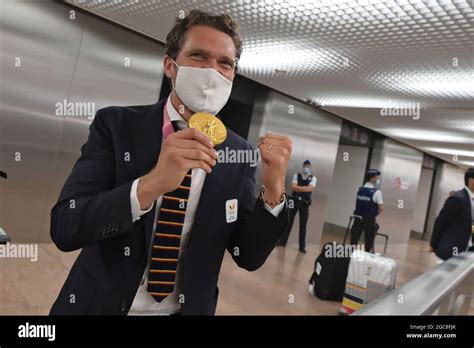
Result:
pixel 428 161
pixel 400 185
pixel 354 134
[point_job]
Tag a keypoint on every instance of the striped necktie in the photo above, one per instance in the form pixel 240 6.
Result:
pixel 166 240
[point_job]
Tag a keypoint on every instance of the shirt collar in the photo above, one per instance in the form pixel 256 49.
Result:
pixel 174 115
pixel 369 184
pixel 471 194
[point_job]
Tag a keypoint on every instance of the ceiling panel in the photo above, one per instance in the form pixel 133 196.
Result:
pixel 347 55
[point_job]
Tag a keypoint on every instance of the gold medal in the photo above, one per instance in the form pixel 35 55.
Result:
pixel 210 125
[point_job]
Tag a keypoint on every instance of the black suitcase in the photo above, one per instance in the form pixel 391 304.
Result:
pixel 328 280
pixel 330 272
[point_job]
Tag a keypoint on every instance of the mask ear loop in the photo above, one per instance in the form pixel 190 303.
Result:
pixel 177 67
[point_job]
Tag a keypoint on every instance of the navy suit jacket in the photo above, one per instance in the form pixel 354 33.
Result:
pixel 452 228
pixel 93 214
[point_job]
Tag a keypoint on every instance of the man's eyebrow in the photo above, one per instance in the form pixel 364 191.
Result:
pixel 198 50
pixel 207 54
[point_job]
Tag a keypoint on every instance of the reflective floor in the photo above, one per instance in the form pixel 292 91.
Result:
pixel 278 288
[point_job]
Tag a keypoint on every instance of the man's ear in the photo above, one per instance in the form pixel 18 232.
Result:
pixel 168 67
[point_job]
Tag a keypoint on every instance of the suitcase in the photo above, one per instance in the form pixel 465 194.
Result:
pixel 369 277
pixel 330 271
pixel 329 276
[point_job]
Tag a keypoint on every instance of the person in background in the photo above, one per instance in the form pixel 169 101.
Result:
pixel 369 205
pixel 302 185
pixel 454 227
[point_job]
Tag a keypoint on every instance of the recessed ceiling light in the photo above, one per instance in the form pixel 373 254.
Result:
pixel 280 72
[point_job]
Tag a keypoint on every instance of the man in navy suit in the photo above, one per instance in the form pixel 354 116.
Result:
pixel 112 203
pixel 452 232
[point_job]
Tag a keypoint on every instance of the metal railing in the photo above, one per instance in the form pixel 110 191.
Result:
pixel 447 289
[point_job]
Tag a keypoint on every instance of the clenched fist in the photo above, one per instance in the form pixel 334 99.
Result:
pixel 275 150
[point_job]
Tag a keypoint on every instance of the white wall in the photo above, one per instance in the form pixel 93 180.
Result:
pixel 347 178
pixel 422 200
pixel 80 60
pixel 401 168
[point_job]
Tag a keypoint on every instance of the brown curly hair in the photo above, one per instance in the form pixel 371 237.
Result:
pixel 222 22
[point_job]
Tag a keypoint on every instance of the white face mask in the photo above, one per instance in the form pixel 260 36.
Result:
pixel 202 89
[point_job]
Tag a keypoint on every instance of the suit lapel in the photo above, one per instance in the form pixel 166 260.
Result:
pixel 147 145
pixel 147 139
pixel 468 199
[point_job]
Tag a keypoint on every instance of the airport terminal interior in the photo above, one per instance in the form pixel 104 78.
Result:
pixel 356 85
